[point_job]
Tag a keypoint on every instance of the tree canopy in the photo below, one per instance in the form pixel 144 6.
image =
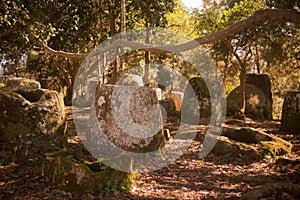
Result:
pixel 50 38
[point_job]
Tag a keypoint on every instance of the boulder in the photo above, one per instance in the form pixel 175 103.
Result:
pixel 258 106
pixel 177 97
pixel 201 98
pixel 22 84
pixel 290 117
pixel 246 135
pixel 169 105
pixel 262 81
pixel 69 173
pixel 32 120
pixel 227 148
pixel 268 143
pixel 131 80
pixel 129 117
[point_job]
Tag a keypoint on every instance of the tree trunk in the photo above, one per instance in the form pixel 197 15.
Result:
pixel 243 91
pixel 112 19
pixel 146 77
pixel 123 16
pixel 75 64
pixel 257 59
pixel 122 30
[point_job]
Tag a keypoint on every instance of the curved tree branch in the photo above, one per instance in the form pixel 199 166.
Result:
pixel 53 52
pixel 259 17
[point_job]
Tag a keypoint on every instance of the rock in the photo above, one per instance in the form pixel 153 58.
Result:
pixel 226 146
pixel 67 172
pixel 169 105
pixel 262 81
pixel 22 84
pixel 32 120
pixel 290 118
pixel 129 117
pixel 246 135
pixel 258 106
pixel 177 98
pixel 267 142
pixel 171 116
pixel 201 91
pixel 131 80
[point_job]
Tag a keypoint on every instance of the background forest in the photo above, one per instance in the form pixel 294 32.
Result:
pixel 79 26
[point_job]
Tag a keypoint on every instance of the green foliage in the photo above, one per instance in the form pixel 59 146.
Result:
pixel 71 26
pixel 180 20
pixel 153 12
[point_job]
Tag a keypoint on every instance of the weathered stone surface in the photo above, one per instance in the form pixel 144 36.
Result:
pixel 171 116
pixel 257 105
pixel 129 117
pixel 131 80
pixel 177 98
pixel 290 117
pixel 246 135
pixel 262 81
pixel 203 101
pixel 22 84
pixel 267 142
pixel 32 121
pixel 67 172
pixel 169 105
pixel 227 147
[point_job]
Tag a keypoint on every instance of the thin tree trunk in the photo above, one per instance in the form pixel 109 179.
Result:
pixel 112 20
pixel 242 89
pixel 257 59
pixel 146 77
pixel 242 78
pixel 122 30
pixel 75 65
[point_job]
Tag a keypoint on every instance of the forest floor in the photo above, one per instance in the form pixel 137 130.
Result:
pixel 214 177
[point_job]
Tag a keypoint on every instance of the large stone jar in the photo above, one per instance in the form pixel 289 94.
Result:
pixel 32 120
pixel 290 118
pixel 125 118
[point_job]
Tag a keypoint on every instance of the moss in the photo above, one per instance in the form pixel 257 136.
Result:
pixel 158 142
pixel 30 129
pixel 72 174
pixel 276 147
pixel 63 152
pixel 226 146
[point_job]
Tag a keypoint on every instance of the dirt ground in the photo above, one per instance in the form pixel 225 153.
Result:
pixel 214 177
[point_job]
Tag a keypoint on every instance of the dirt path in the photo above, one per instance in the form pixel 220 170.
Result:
pixel 214 177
